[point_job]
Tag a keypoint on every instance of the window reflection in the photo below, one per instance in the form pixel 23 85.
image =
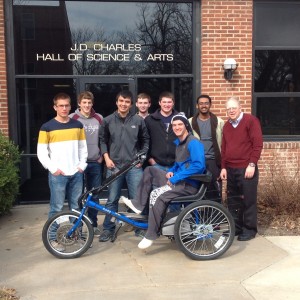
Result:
pixel 277 70
pixel 279 115
pixel 100 38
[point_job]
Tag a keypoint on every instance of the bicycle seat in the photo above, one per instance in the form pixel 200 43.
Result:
pixel 204 179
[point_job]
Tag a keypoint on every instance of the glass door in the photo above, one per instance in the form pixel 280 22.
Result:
pixel 105 91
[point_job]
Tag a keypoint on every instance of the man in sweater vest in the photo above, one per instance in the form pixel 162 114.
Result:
pixel 242 144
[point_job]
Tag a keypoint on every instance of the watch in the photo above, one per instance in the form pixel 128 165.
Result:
pixel 251 164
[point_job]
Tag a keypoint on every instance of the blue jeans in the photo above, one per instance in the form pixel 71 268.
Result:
pixel 93 179
pixel 64 187
pixel 133 178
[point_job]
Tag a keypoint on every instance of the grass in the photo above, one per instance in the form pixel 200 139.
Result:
pixel 8 294
pixel 279 195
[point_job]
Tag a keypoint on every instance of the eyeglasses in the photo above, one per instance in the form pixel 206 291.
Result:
pixel 203 103
pixel 63 106
pixel 231 109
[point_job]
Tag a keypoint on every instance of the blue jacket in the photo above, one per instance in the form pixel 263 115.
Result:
pixel 190 160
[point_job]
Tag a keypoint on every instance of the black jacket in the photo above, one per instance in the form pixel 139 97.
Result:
pixel 162 147
pixel 123 139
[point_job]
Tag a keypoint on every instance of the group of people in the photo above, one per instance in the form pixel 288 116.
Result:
pixel 73 146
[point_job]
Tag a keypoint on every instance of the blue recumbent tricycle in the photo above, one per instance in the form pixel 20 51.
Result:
pixel 203 229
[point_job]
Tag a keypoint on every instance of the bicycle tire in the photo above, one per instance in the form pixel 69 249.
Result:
pixel 204 230
pixel 55 240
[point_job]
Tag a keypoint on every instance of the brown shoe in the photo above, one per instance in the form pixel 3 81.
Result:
pixel 128 228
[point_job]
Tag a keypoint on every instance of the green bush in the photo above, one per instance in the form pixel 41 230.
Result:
pixel 9 173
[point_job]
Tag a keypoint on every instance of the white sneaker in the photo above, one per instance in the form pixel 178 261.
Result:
pixel 145 243
pixel 128 203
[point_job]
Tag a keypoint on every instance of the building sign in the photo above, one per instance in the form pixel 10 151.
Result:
pixel 105 52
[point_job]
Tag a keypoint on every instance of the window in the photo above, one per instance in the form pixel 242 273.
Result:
pixel 277 67
pixel 27 27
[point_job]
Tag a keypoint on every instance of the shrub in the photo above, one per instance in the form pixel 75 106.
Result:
pixel 279 195
pixel 9 173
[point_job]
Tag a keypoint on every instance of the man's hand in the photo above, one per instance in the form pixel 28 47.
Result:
pixel 109 163
pixel 223 174
pixel 80 170
pixel 151 161
pixel 58 172
pixel 249 173
pixel 169 175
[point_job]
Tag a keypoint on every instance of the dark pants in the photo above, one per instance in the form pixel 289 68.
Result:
pixel 242 199
pixel 214 189
pixel 93 179
pixel 159 197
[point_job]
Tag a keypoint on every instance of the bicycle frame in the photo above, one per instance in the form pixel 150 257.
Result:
pixel 88 202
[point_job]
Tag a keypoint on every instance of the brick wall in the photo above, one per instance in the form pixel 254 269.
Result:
pixel 3 81
pixel 227 33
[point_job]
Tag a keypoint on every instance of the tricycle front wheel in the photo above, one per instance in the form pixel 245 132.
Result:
pixel 57 241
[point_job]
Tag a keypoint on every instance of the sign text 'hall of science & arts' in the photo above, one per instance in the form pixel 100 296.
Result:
pixel 95 53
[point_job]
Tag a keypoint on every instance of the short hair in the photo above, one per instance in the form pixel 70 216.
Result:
pixel 144 96
pixel 125 94
pixel 204 96
pixel 166 95
pixel 85 95
pixel 61 96
pixel 235 99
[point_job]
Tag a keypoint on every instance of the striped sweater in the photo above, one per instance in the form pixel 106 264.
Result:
pixel 62 146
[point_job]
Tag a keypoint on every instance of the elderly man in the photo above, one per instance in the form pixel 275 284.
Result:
pixel 241 148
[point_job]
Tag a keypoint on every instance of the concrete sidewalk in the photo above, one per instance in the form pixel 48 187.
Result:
pixel 263 268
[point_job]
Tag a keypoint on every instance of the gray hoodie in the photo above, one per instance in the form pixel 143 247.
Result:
pixel 92 126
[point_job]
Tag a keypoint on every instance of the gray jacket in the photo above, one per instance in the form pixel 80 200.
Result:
pixel 123 138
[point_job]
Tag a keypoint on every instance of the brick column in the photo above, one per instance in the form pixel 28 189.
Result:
pixel 226 33
pixel 3 78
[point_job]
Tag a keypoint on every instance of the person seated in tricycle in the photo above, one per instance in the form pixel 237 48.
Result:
pixel 190 160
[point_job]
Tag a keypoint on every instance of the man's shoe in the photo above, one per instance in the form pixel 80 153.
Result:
pixel 145 243
pixel 245 237
pixel 139 232
pixel 128 203
pixel 128 228
pixel 105 236
pixel 97 231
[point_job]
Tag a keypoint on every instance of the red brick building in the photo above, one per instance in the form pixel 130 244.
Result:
pixel 52 46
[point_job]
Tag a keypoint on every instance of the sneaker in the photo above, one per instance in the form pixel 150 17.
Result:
pixel 97 231
pixel 57 246
pixel 145 243
pixel 128 203
pixel 105 236
pixel 139 233
pixel 128 228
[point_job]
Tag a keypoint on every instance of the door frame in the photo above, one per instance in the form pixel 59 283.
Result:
pixel 130 80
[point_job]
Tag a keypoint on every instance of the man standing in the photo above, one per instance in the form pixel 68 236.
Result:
pixel 162 147
pixel 242 144
pixel 122 135
pixel 208 128
pixel 143 104
pixel 91 121
pixel 175 182
pixel 62 150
